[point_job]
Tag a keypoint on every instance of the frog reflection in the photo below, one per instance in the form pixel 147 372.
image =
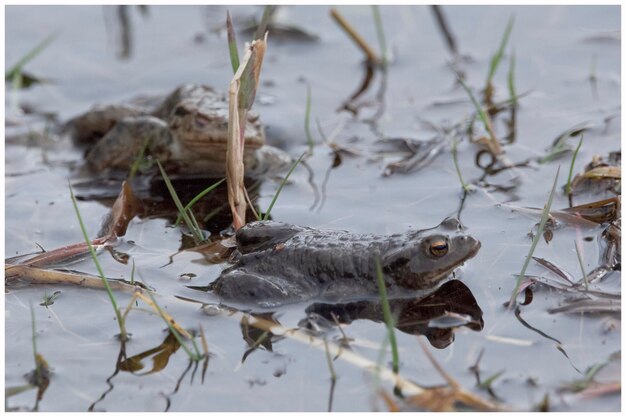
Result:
pixel 436 316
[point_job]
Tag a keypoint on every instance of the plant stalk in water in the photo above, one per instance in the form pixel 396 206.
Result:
pixel 389 321
pixel 94 256
pixel 544 218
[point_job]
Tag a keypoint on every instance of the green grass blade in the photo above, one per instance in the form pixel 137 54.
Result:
pixel 268 12
pixel 138 159
pixel 197 233
pixel 481 113
pixel 232 43
pixel 34 339
pixel 497 57
pixel 307 119
pixel 282 184
pixel 456 165
pixel 94 256
pixel 582 267
pixel 544 218
pixel 17 68
pixel 381 34
pixel 389 321
pixel 487 382
pixel 198 198
pixel 568 186
pixel 511 81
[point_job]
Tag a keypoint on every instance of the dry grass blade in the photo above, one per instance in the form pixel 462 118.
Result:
pixel 604 172
pixel 445 398
pixel 353 34
pixel 406 386
pixel 241 96
pixel 62 254
pixel 50 276
pixel 334 350
pixel 166 317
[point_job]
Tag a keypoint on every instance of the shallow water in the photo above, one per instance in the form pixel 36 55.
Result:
pixel 555 50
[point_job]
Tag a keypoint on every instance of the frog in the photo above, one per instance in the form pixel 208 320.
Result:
pixel 187 131
pixel 278 263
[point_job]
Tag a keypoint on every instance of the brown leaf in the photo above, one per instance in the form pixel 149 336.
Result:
pixel 126 207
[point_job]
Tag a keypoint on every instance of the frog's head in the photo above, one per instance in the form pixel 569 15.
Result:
pixel 199 121
pixel 428 256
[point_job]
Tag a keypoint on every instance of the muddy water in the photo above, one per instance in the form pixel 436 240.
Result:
pixel 555 50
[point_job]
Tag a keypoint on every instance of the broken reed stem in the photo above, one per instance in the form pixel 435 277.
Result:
pixel 356 38
pixel 282 184
pixel 389 321
pixel 544 218
pixel 118 315
pixel 582 267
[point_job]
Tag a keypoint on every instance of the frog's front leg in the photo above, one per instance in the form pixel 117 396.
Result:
pixel 119 148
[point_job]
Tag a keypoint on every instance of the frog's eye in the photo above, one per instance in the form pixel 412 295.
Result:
pixel 439 248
